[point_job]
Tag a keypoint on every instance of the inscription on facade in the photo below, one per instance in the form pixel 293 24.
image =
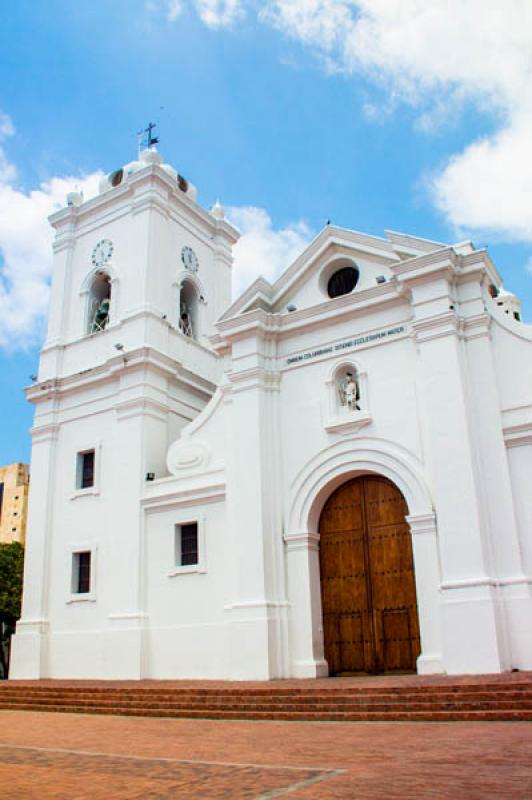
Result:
pixel 343 345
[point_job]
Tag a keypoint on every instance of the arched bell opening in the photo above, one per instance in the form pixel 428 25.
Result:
pixel 188 310
pixel 99 303
pixel 368 589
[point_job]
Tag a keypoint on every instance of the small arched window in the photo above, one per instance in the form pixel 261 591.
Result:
pixel 99 303
pixel 188 310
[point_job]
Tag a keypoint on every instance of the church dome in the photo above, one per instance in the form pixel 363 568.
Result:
pixel 509 303
pixel 147 158
pixel 150 156
pixel 504 293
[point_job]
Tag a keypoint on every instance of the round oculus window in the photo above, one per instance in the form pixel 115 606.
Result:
pixel 342 282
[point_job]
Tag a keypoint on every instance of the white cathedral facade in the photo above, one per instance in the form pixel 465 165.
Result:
pixel 331 475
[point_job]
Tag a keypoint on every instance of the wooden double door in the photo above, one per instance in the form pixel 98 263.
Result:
pixel 370 619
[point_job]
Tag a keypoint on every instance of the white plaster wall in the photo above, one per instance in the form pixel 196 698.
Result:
pixel 185 609
pixel 390 365
pixel 520 460
pixel 512 342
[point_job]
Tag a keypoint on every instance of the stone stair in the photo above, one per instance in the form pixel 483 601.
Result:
pixel 405 698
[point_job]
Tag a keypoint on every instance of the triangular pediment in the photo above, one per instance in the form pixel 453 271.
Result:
pixel 304 283
pixel 299 285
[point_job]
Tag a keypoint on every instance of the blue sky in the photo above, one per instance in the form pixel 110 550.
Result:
pixel 399 114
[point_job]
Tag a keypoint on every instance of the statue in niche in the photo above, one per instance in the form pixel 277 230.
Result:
pixel 101 315
pixel 185 319
pixel 349 392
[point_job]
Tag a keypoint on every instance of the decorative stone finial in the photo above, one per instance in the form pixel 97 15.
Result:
pixel 74 198
pixel 218 210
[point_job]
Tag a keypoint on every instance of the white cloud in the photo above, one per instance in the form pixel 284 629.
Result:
pixel 213 13
pixel 7 170
pixel 488 187
pixel 419 46
pixel 219 13
pixel 262 249
pixel 175 7
pixel 437 55
pixel 6 126
pixel 26 249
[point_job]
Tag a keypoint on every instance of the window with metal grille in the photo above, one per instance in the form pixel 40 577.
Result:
pixel 81 572
pixel 186 540
pixel 85 470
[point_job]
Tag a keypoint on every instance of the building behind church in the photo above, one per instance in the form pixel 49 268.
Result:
pixel 14 488
pixel 329 475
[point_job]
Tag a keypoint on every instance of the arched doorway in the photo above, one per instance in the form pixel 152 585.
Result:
pixel 370 618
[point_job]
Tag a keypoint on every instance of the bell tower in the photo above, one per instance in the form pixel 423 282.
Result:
pixel 141 273
pixel 143 248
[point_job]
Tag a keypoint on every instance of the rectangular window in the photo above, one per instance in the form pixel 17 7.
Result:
pixel 186 544
pixel 81 572
pixel 1 500
pixel 85 470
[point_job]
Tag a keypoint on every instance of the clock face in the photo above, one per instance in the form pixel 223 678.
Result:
pixel 189 259
pixel 102 252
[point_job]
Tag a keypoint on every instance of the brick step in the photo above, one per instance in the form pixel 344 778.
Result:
pixel 368 716
pixel 311 706
pixel 273 700
pixel 185 698
pixel 269 703
pixel 126 693
pixel 521 687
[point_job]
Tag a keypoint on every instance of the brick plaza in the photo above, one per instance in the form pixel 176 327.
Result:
pixel 79 756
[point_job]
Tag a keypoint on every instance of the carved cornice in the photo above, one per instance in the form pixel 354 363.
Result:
pixel 172 492
pixel 427 266
pixel 517 425
pixel 141 407
pixel 305 540
pixel 422 524
pixel 40 434
pixel 436 327
pixel 150 186
pixel 476 327
pixel 39 626
pixel 64 241
pixel 279 326
pixel 348 423
pixel 115 366
pixel 518 435
pixel 268 380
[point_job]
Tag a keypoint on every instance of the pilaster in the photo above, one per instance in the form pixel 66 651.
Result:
pixel 427 573
pixel 306 631
pixel 472 639
pixel 29 644
pixel 258 609
pixel 511 590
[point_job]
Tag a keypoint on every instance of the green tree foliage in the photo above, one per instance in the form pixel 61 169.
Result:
pixel 11 570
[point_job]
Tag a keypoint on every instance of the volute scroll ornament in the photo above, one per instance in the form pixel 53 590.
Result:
pixel 185 455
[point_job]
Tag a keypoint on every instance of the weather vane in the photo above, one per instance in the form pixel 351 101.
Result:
pixel 146 137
